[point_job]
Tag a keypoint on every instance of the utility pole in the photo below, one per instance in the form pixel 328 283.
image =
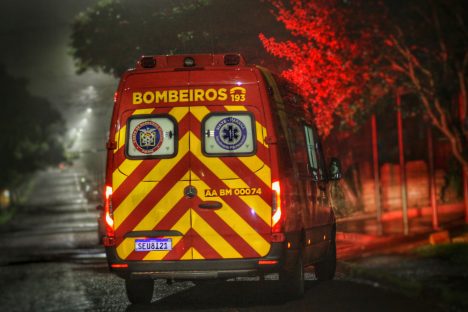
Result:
pixel 375 156
pixel 462 117
pixel 401 150
pixel 432 184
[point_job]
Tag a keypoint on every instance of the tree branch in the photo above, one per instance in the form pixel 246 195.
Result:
pixel 442 44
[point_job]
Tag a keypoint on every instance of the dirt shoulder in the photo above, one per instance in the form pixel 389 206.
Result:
pixel 436 273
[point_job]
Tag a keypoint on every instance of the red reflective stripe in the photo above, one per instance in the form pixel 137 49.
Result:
pixel 267 262
pixel 179 250
pixel 169 220
pixel 154 196
pixel 119 266
pixel 132 181
pixel 174 215
pixel 199 243
pixel 247 175
pixel 119 158
pixel 233 201
pixel 225 230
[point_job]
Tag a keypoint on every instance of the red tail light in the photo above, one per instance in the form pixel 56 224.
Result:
pixel 277 212
pixel 108 212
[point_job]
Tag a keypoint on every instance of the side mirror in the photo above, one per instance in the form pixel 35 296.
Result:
pixel 334 171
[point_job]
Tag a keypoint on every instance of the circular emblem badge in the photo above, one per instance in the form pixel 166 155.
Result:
pixel 230 133
pixel 147 137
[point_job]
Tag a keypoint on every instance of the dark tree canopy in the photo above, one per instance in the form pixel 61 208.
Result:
pixel 111 35
pixel 349 55
pixel 427 49
pixel 30 129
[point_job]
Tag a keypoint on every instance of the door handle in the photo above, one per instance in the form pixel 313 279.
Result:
pixel 210 205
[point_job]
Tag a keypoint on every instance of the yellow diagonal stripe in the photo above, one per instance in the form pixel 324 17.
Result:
pixel 252 162
pixel 196 254
pixel 127 246
pixel 187 255
pixel 216 241
pixel 183 225
pixel 163 207
pixel 160 254
pixel 235 108
pixel 178 112
pixel 261 130
pixel 199 112
pixel 122 133
pixel 220 169
pixel 163 167
pixel 236 222
pixel 127 166
pixel 261 133
pixel 131 201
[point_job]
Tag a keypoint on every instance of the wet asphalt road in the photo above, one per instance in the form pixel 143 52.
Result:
pixel 50 260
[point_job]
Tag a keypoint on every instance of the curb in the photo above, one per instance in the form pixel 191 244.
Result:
pixel 354 245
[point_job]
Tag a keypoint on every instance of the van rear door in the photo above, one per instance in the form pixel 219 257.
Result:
pixel 231 217
pixel 152 171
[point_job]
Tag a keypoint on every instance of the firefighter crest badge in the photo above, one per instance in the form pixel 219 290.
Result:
pixel 147 137
pixel 230 133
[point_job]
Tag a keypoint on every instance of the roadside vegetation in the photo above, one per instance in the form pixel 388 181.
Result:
pixel 31 138
pixel 436 273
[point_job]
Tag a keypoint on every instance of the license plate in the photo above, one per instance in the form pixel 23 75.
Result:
pixel 153 244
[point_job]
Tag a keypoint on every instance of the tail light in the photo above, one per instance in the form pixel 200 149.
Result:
pixel 277 212
pixel 108 212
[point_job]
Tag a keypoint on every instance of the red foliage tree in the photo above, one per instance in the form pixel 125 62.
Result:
pixel 331 55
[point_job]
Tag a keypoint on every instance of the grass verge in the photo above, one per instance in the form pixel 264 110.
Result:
pixel 440 275
pixel 6 215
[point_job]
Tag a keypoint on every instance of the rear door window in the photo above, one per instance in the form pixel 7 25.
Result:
pixel 229 134
pixel 151 136
pixel 314 153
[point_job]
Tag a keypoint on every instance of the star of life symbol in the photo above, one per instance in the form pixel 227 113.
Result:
pixel 230 133
pixel 147 137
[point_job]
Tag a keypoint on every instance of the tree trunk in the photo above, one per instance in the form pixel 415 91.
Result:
pixel 465 191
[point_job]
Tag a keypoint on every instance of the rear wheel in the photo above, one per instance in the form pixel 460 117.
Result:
pixel 325 269
pixel 292 281
pixel 139 291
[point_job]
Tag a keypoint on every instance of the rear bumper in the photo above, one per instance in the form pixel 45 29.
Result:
pixel 199 269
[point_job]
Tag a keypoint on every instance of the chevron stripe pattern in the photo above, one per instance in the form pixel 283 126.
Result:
pixel 149 194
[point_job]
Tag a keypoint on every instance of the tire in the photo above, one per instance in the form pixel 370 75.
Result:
pixel 292 281
pixel 325 269
pixel 139 291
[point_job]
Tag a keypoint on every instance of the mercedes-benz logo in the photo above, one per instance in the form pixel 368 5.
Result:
pixel 190 191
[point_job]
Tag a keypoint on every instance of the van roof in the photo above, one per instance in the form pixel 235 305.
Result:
pixel 190 61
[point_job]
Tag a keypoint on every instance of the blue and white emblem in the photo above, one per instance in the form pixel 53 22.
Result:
pixel 230 133
pixel 147 137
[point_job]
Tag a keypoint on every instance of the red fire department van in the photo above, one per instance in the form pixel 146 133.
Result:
pixel 214 171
